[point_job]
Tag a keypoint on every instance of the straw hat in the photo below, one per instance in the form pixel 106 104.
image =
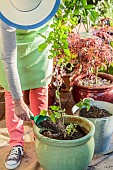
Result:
pixel 27 14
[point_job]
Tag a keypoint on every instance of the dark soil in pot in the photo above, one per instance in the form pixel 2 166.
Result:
pixel 94 112
pixel 58 131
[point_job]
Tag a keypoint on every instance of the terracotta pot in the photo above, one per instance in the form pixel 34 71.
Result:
pixel 102 93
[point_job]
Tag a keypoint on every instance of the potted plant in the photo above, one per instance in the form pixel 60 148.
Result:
pixel 69 15
pixel 56 145
pixel 87 81
pixel 59 154
pixel 92 54
pixel 62 141
pixel 100 113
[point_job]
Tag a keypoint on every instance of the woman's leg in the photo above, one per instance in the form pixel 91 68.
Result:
pixel 13 123
pixel 38 99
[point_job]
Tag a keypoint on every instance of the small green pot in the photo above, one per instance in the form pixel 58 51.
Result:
pixel 66 154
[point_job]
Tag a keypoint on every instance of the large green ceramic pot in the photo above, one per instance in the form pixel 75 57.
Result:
pixel 66 154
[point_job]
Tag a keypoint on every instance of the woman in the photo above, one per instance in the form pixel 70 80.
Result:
pixel 22 67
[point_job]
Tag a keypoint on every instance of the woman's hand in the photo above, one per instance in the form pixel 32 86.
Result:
pixel 21 109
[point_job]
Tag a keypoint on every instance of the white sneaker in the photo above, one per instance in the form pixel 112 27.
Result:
pixel 14 157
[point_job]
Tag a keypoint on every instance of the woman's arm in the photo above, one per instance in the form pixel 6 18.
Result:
pixel 9 56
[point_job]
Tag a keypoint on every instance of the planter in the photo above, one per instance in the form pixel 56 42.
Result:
pixel 103 93
pixel 103 127
pixel 66 154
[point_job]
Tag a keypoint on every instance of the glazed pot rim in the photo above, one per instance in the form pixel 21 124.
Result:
pixel 67 143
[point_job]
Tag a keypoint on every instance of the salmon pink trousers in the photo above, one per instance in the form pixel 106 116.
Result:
pixel 38 101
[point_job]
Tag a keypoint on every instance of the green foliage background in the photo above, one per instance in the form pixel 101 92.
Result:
pixel 104 7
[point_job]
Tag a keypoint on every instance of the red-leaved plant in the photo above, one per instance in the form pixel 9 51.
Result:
pixel 92 53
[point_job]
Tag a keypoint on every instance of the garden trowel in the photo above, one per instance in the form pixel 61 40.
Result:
pixel 38 119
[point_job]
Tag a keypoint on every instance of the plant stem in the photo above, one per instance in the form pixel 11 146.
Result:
pixel 58 88
pixel 96 79
pixel 88 23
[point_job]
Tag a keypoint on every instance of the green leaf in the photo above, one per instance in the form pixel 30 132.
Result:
pixel 41 35
pixel 71 128
pixel 80 104
pixel 76 11
pixel 50 56
pixel 52 25
pixel 64 36
pixel 57 94
pixel 111 23
pixel 84 2
pixel 59 23
pixel 43 112
pixel 87 105
pixel 65 44
pixel 52 117
pixel 88 7
pixel 57 115
pixel 55 108
pixel 110 69
pixel 111 43
pixel 42 47
pixel 60 61
pixel 87 101
pixel 73 22
pixel 64 27
pixel 94 15
pixel 67 52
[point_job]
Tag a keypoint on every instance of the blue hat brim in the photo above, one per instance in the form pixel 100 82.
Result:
pixel 26 27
